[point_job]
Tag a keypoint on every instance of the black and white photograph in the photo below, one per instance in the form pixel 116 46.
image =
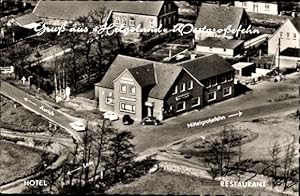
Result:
pixel 119 97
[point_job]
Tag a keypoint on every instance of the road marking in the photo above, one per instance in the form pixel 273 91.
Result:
pixel 50 112
pixel 27 100
pixel 237 114
pixel 83 165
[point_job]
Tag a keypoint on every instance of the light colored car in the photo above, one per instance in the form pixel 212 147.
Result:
pixel 78 126
pixel 110 115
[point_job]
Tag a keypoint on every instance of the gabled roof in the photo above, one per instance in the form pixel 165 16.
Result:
pixel 206 66
pixel 296 23
pixel 144 75
pixel 70 10
pixel 220 43
pixel 27 19
pixel 291 52
pixel 219 17
pixel 162 76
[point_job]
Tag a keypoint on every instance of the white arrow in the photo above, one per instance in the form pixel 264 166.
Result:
pixel 237 114
pixel 70 172
pixel 27 100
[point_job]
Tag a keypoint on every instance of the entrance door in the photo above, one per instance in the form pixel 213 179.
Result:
pixel 150 111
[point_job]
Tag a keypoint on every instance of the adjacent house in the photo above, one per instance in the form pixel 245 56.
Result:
pixel 260 7
pixel 289 59
pixel 146 14
pixel 215 17
pixel 141 88
pixel 222 47
pixel 286 36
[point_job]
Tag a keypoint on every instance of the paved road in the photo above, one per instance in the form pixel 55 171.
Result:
pixel 149 139
pixel 35 105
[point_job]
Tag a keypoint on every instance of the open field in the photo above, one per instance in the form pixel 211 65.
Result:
pixel 165 183
pixel 17 161
pixel 22 120
pixel 265 131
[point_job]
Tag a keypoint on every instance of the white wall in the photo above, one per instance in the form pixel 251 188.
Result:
pixel 258 7
pixel 219 51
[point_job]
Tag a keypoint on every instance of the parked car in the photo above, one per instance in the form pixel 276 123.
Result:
pixel 150 121
pixel 110 115
pixel 78 126
pixel 127 120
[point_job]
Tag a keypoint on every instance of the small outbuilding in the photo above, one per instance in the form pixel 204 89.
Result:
pixel 244 68
pixel 289 59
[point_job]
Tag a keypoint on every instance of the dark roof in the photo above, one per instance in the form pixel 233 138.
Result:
pixel 292 52
pixel 27 19
pixel 207 66
pixel 165 74
pixel 161 75
pixel 219 17
pixel 144 75
pixel 220 43
pixel 296 22
pixel 70 10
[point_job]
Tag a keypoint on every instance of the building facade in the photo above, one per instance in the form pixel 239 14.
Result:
pixel 287 36
pixel 260 7
pixel 141 88
pixel 146 14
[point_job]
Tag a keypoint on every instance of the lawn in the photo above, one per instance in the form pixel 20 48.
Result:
pixel 20 119
pixel 165 183
pixel 17 161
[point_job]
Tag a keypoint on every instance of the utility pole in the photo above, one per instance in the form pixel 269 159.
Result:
pixel 278 54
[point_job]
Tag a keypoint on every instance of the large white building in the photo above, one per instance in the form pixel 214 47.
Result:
pixel 286 36
pixel 260 7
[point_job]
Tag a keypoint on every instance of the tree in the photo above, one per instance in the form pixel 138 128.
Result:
pixel 121 155
pixel 18 57
pixel 275 162
pixel 288 163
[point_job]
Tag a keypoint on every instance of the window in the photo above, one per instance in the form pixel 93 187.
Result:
pixel 210 48
pixel 124 107
pixel 207 83
pixel 195 101
pixel 267 6
pixel 223 79
pixel 170 6
pixel 165 8
pixel 294 36
pixel 109 101
pixel 227 91
pixel 214 81
pixel 244 4
pixel 170 20
pixel 212 96
pixel 180 106
pixel 281 34
pixel 124 21
pixel 132 90
pixel 151 23
pixel 224 49
pixel 131 22
pixel 190 85
pixel 287 35
pixel 229 77
pixel 174 90
pixel 117 20
pixel 123 88
pixel 182 87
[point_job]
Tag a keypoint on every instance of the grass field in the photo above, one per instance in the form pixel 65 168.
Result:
pixel 20 118
pixel 16 161
pixel 165 183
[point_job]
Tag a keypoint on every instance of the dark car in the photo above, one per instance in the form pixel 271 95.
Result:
pixel 127 120
pixel 150 121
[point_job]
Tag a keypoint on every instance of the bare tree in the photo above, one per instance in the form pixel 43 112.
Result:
pixel 288 163
pixel 275 162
